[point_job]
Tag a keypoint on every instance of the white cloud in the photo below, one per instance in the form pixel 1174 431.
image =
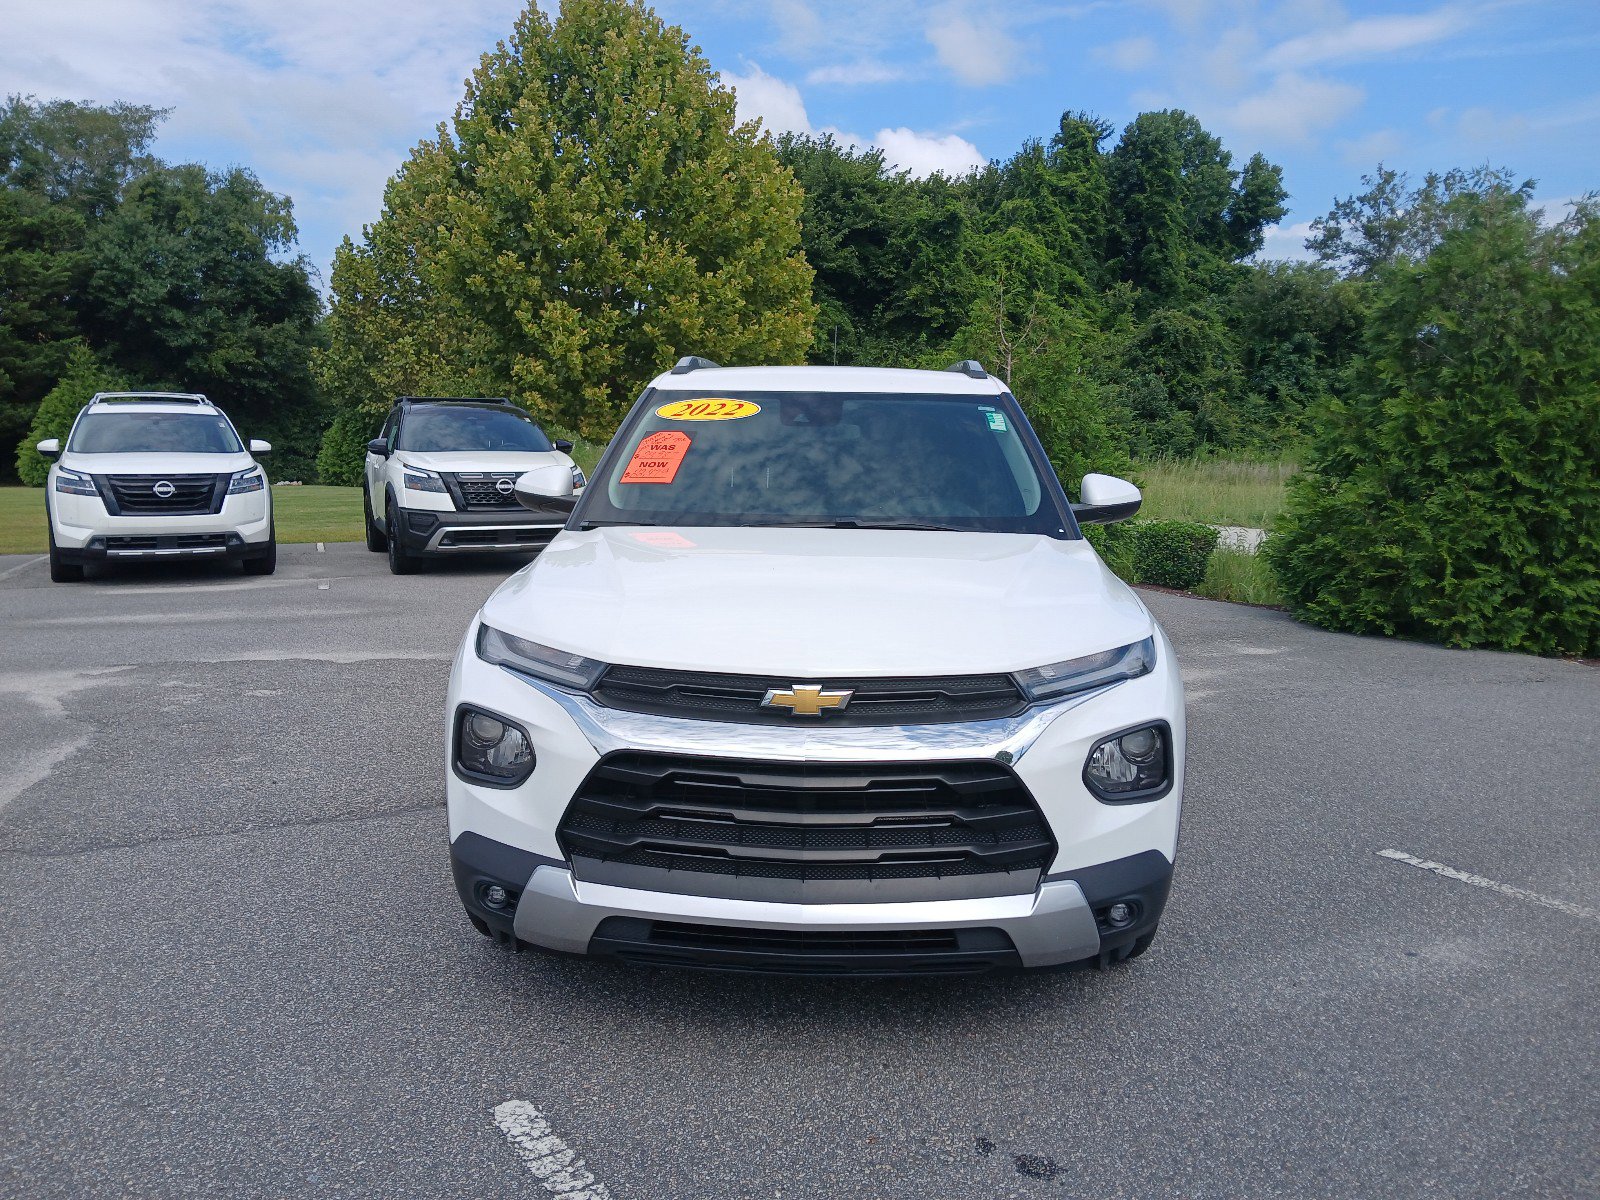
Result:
pixel 1286 242
pixel 1367 38
pixel 1293 107
pixel 776 102
pixel 782 110
pixel 854 74
pixel 977 49
pixel 926 153
pixel 1129 54
pixel 1483 127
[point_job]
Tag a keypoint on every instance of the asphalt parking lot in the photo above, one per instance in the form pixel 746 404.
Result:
pixel 234 962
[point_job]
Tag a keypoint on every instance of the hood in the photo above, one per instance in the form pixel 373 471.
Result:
pixel 483 460
pixel 157 464
pixel 818 602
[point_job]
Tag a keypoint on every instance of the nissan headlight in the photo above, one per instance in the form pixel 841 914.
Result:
pixel 1090 671
pixel 543 662
pixel 74 484
pixel 418 480
pixel 251 479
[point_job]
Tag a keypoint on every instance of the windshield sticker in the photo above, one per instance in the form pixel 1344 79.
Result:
pixel 657 458
pixel 708 408
pixel 997 421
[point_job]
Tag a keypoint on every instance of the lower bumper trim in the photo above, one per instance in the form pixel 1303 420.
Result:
pixel 1050 926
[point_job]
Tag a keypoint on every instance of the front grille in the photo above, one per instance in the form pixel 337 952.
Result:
pixel 804 952
pixel 910 701
pixel 811 832
pixel 135 495
pixel 474 491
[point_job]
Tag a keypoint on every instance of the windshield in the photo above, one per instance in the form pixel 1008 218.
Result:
pixel 825 458
pixel 154 433
pixel 442 429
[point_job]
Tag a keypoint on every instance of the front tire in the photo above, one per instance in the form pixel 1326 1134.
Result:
pixel 377 542
pixel 60 570
pixel 264 564
pixel 401 561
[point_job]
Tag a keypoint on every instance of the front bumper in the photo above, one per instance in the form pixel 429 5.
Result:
pixel 488 531
pixel 1106 853
pixel 85 532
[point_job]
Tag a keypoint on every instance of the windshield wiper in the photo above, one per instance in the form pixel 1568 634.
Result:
pixel 852 523
pixel 617 524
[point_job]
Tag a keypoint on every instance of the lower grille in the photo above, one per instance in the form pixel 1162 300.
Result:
pixel 804 952
pixel 802 832
pixel 174 541
pixel 711 697
pixel 509 538
pixel 141 495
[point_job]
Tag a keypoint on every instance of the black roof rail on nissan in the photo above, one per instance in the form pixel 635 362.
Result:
pixel 970 367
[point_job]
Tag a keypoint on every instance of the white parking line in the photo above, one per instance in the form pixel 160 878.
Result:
pixel 321 549
pixel 10 571
pixel 550 1160
pixel 1505 889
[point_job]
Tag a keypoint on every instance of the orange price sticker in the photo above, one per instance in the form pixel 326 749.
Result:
pixel 657 457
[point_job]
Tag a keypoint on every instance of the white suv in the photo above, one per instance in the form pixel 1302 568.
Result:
pixel 439 480
pixel 156 475
pixel 821 676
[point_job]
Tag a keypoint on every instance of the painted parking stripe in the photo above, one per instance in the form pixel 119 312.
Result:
pixel 10 571
pixel 1505 889
pixel 550 1160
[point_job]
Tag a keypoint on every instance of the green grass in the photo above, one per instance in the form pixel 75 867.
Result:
pixel 1240 577
pixel 315 513
pixel 304 514
pixel 1214 491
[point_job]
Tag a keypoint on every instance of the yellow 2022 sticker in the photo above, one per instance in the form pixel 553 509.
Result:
pixel 708 408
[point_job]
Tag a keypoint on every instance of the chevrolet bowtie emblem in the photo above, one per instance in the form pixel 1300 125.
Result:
pixel 807 699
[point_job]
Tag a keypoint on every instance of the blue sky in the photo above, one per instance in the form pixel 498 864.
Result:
pixel 323 100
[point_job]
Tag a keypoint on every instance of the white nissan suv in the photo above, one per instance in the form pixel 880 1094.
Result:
pixel 156 475
pixel 821 676
pixel 438 480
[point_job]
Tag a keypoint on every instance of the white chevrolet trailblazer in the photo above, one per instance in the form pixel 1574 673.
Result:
pixel 156 475
pixel 438 480
pixel 820 677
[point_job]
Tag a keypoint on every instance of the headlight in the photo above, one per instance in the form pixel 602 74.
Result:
pixel 251 479
pixel 417 480
pixel 74 484
pixel 558 666
pixel 578 480
pixel 1133 765
pixel 1090 671
pixel 492 749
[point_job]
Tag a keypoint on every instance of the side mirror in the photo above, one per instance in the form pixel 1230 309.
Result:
pixel 379 447
pixel 563 445
pixel 257 446
pixel 50 447
pixel 546 490
pixel 1106 500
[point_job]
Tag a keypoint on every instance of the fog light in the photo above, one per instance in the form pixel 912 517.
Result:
pixel 496 896
pixel 1117 915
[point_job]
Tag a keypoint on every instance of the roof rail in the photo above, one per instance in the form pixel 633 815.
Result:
pixel 692 362
pixel 452 399
pixel 157 397
pixel 970 367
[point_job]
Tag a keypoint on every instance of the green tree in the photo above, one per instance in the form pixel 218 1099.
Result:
pixel 79 156
pixel 1452 494
pixel 605 214
pixel 42 266
pixel 83 377
pixel 187 291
